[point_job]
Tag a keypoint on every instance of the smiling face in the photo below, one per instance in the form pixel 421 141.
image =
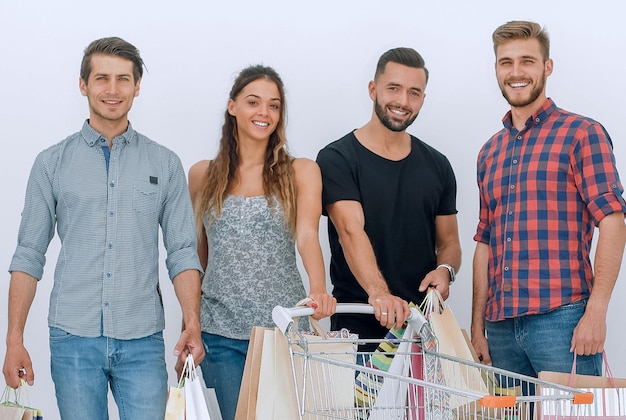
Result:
pixel 110 90
pixel 522 71
pixel 257 110
pixel 398 95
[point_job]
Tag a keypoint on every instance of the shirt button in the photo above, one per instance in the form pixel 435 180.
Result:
pixel 510 213
pixel 111 213
pixel 512 187
pixel 515 161
pixel 537 120
pixel 519 137
pixel 109 275
pixel 508 239
pixel 106 304
pixel 112 184
pixel 506 268
pixel 110 245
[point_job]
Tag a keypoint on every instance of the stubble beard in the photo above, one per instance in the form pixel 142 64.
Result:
pixel 534 94
pixel 388 122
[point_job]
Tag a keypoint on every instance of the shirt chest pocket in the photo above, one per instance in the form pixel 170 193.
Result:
pixel 145 196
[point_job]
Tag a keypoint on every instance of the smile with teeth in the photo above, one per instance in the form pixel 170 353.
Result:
pixel 398 112
pixel 519 84
pixel 260 123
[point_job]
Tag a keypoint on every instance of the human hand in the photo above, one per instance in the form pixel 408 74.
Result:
pixel 589 335
pixel 324 304
pixel 389 309
pixel 17 364
pixel 481 346
pixel 438 279
pixel 190 342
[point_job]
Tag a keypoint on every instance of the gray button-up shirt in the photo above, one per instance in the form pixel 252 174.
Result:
pixel 107 210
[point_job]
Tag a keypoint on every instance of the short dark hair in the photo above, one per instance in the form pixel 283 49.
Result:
pixel 112 46
pixel 401 55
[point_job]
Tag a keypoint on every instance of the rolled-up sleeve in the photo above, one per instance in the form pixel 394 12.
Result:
pixel 38 222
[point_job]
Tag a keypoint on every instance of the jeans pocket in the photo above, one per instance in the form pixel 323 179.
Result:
pixel 58 335
pixel 574 306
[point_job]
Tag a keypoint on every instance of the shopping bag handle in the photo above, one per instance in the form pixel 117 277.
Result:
pixel 607 370
pixel 283 317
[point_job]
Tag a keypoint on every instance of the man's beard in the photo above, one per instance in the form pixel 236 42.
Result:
pixel 534 94
pixel 388 122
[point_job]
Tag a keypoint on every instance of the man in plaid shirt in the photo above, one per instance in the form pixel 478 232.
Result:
pixel 546 181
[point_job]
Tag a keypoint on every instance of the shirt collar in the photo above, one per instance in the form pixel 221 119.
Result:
pixel 92 137
pixel 537 118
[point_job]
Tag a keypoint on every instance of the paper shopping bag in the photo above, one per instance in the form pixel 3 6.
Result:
pixel 175 406
pixel 450 341
pixel 315 385
pixel 248 393
pixel 14 404
pixel 187 401
pixel 609 395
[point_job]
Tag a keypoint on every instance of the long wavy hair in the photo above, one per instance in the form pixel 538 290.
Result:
pixel 278 177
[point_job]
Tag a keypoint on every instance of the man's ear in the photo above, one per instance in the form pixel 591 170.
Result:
pixel 371 87
pixel 82 85
pixel 549 66
pixel 137 86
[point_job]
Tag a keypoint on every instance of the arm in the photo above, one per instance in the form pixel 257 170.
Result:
pixel 197 177
pixel 448 250
pixel 479 302
pixel 183 265
pixel 349 220
pixel 21 294
pixel 187 287
pixel 590 333
pixel 309 210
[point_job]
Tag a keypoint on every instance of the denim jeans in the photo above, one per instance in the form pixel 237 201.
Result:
pixel 533 343
pixel 222 369
pixel 83 368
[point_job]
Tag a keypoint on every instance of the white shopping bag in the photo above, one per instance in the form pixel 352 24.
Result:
pixel 187 401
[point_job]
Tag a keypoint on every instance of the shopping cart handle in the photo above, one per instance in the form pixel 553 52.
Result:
pixel 282 316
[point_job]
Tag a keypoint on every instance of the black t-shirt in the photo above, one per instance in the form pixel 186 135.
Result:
pixel 400 201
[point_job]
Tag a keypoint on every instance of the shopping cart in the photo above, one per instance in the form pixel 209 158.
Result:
pixel 417 382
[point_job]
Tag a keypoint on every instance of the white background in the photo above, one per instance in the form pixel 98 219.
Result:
pixel 326 52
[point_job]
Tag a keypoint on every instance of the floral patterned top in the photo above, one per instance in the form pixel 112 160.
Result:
pixel 251 268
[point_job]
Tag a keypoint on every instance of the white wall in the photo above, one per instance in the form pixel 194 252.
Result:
pixel 326 53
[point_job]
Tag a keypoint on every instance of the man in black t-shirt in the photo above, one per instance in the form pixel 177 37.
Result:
pixel 391 203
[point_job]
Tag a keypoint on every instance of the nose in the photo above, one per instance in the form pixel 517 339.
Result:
pixel 264 109
pixel 404 98
pixel 517 69
pixel 112 86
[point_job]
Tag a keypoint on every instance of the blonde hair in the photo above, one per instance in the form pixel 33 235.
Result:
pixel 521 29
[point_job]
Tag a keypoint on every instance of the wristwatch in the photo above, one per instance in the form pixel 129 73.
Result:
pixel 450 270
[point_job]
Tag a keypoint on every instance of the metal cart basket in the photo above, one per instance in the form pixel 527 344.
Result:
pixel 413 381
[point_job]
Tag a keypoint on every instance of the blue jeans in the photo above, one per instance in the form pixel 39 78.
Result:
pixel 222 369
pixel 83 368
pixel 533 343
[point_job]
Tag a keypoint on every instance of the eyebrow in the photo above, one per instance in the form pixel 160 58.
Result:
pixel 257 96
pixel 114 75
pixel 523 56
pixel 396 84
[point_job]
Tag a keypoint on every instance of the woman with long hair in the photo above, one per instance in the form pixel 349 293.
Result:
pixel 254 204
